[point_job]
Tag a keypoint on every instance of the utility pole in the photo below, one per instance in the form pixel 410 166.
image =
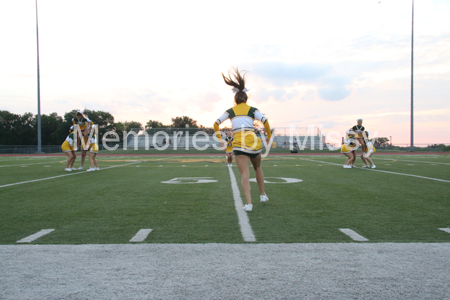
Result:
pixel 412 78
pixel 39 149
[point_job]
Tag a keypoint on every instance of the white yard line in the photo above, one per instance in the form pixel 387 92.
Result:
pixel 426 162
pixel 445 229
pixel 53 177
pixel 377 170
pixel 244 223
pixel 353 235
pixel 141 235
pixel 35 236
pixel 20 165
pixel 16 158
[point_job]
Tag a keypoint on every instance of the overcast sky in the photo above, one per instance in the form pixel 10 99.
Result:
pixel 324 62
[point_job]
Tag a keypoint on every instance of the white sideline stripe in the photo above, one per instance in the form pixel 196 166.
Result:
pixel 426 162
pixel 35 236
pixel 445 229
pixel 53 177
pixel 376 170
pixel 244 223
pixel 353 235
pixel 141 235
pixel 18 165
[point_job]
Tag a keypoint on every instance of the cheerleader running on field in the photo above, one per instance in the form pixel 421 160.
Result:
pixel 246 145
pixel 69 148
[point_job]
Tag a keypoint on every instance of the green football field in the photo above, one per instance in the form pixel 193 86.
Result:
pixel 191 200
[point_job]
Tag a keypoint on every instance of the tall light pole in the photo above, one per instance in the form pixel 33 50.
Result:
pixel 39 149
pixel 412 77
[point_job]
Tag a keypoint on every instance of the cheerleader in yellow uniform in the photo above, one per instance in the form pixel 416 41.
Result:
pixel 69 148
pixel 358 129
pixel 83 122
pixel 229 149
pixel 93 150
pixel 352 135
pixel 366 156
pixel 349 149
pixel 246 145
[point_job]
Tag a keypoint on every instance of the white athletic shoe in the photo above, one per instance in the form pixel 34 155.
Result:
pixel 73 169
pixel 352 166
pixel 97 169
pixel 80 168
pixel 347 167
pixel 374 167
pixel 248 207
pixel 263 198
pixel 68 169
pixel 90 170
pixel 366 166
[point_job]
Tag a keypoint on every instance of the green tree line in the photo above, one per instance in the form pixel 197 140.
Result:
pixel 18 129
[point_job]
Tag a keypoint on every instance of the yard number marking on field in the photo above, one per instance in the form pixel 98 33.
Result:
pixel 35 236
pixel 244 223
pixel 445 229
pixel 189 180
pixel 141 235
pixel 285 180
pixel 353 235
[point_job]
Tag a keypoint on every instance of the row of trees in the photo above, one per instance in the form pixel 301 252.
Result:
pixel 22 129
pixel 177 122
pixel 381 142
pixel 439 147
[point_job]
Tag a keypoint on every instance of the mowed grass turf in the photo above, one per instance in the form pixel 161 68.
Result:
pixel 111 205
pixel 127 194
